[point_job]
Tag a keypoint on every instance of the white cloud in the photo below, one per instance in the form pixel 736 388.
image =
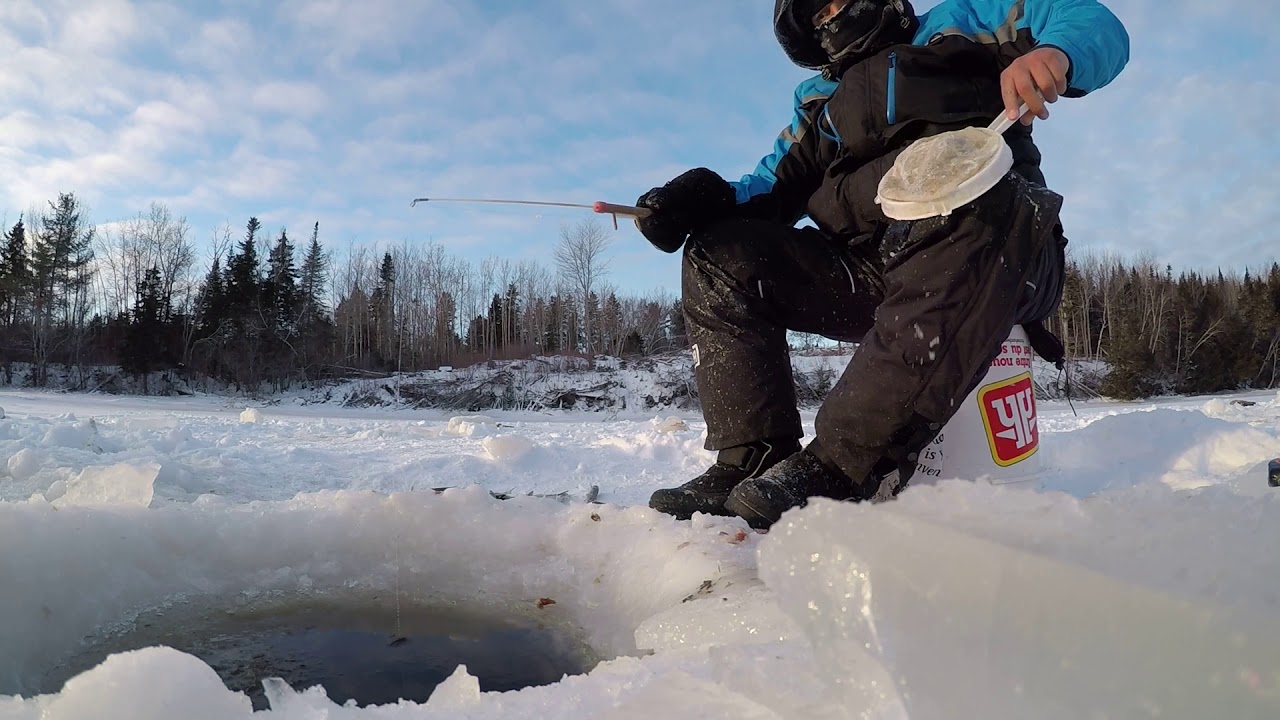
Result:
pixel 338 31
pixel 252 175
pixel 97 27
pixel 301 99
pixel 219 44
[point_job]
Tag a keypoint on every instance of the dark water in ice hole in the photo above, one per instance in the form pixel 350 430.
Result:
pixel 351 648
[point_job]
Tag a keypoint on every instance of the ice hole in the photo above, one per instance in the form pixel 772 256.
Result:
pixel 360 648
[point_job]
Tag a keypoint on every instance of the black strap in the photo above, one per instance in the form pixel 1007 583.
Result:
pixel 1046 344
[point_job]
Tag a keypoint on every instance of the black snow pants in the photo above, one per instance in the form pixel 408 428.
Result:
pixel 931 302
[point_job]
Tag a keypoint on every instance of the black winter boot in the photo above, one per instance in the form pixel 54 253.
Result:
pixel 708 492
pixel 761 501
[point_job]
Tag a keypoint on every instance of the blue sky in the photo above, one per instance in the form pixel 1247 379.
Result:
pixel 342 111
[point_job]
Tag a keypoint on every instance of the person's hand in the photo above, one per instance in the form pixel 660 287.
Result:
pixel 682 206
pixel 1036 78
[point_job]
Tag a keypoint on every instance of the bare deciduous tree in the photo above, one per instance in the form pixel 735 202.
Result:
pixel 580 261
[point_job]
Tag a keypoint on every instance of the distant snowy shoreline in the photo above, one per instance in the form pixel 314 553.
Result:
pixel 539 383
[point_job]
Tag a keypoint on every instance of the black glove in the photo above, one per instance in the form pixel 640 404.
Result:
pixel 683 206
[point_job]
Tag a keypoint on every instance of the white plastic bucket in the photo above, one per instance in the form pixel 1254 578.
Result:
pixel 995 434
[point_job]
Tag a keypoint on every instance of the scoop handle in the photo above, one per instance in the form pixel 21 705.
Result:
pixel 1002 123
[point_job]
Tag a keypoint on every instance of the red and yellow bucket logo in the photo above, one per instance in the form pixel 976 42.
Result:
pixel 1009 414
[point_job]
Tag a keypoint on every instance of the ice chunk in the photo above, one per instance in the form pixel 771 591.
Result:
pixel 78 435
pixel 932 168
pixel 470 425
pixel 672 424
pixel 24 464
pixel 968 627
pixel 156 683
pixel 121 484
pixel 250 415
pixel 456 692
pixel 1 413
pixel 57 489
pixel 721 616
pixel 507 448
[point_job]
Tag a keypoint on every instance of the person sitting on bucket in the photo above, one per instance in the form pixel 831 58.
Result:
pixel 929 301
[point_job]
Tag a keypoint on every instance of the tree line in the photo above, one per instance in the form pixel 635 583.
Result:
pixel 266 311
pixel 263 311
pixel 1166 333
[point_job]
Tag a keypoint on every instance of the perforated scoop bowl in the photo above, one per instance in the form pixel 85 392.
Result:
pixel 936 175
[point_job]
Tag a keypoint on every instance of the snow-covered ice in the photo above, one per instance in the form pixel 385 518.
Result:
pixel 1137 577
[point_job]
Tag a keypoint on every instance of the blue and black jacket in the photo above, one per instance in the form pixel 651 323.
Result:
pixel 845 134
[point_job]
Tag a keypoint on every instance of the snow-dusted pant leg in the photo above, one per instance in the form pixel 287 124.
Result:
pixel 954 288
pixel 745 284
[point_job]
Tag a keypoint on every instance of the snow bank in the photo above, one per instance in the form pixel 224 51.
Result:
pixel 1181 449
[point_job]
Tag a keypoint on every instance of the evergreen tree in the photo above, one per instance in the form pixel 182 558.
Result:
pixel 675 316
pixel 213 299
pixel 553 333
pixel 243 282
pixel 280 290
pixel 314 278
pixel 15 274
pixel 62 272
pixel 494 324
pixel 611 331
pixel 146 343
pixel 511 316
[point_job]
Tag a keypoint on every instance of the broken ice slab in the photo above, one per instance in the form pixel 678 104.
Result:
pixel 967 627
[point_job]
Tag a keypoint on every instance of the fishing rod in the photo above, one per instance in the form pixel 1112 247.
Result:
pixel 599 207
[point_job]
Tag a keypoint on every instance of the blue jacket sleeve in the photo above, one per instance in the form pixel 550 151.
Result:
pixel 1091 35
pixel 765 179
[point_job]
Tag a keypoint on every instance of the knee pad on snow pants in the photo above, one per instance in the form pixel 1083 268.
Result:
pixel 954 288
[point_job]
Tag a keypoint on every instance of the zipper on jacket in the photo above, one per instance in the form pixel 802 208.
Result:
pixel 892 101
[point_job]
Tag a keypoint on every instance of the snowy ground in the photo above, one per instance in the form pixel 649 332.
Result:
pixel 1138 577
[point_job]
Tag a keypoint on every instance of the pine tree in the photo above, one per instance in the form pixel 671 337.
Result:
pixel 494 324
pixel 243 280
pixel 611 331
pixel 280 290
pixel 675 317
pixel 511 316
pixel 383 308
pixel 313 279
pixel 15 274
pixel 316 328
pixel 62 272
pixel 553 333
pixel 213 299
pixel 146 343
